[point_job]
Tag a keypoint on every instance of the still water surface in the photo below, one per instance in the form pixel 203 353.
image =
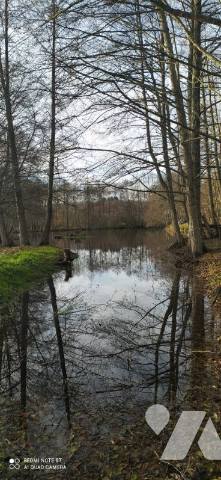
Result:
pixel 123 330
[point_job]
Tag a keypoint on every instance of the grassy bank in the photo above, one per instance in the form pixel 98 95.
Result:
pixel 22 267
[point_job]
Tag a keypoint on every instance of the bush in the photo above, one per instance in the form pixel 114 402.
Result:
pixel 184 228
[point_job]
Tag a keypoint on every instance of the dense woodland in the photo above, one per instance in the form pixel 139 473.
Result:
pixel 143 76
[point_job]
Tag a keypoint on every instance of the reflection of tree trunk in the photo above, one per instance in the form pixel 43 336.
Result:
pixel 68 271
pixel 91 261
pixel 60 347
pixel 23 348
pixel 4 345
pixel 182 336
pixel 172 308
pixel 8 357
pixel 172 382
pixel 198 377
pixel 2 328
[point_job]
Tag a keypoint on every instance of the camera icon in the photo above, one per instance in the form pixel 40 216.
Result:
pixel 14 463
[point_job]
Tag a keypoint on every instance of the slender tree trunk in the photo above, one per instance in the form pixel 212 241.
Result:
pixel 168 184
pixel 5 237
pixel 5 83
pixel 170 193
pixel 208 165
pixel 5 241
pixel 49 214
pixel 215 124
pixel 195 110
pixel 176 152
pixel 195 230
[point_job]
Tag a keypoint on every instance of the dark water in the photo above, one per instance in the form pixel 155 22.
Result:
pixel 126 330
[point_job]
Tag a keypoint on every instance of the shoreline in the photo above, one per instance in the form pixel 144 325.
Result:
pixel 207 267
pixel 209 271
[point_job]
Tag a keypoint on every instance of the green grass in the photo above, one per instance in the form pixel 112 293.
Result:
pixel 21 268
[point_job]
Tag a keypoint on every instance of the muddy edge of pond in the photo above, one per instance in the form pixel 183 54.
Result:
pixel 207 268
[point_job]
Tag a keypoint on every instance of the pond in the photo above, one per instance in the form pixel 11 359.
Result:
pixel 84 354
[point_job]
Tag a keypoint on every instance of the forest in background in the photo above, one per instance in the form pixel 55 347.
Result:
pixel 110 93
pixel 97 206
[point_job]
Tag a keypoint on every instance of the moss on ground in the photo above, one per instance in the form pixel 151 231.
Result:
pixel 22 267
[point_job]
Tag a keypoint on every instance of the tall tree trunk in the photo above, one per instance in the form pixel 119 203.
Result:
pixel 5 83
pixel 215 126
pixel 195 230
pixel 49 214
pixel 5 241
pixel 170 194
pixel 168 184
pixel 208 163
pixel 5 237
pixel 195 111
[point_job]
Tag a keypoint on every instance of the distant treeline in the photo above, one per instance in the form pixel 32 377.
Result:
pixel 88 207
pixel 95 207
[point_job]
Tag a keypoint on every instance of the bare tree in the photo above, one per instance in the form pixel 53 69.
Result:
pixel 47 228
pixel 5 85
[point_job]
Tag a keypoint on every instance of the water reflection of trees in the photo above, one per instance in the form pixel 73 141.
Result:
pixel 57 355
pixel 148 351
pixel 34 385
pixel 134 251
pixel 60 347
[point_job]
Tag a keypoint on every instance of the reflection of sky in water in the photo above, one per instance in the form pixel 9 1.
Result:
pixel 121 289
pixel 115 351
pixel 141 281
